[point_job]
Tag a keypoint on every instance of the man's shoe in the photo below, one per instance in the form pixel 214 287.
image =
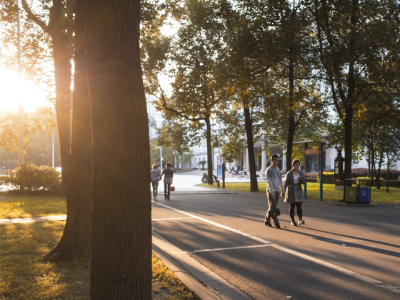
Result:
pixel 301 222
pixel 278 226
pixel 293 223
pixel 267 223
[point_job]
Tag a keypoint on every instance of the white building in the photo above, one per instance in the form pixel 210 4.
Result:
pixel 153 114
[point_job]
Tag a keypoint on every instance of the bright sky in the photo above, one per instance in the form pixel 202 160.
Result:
pixel 14 90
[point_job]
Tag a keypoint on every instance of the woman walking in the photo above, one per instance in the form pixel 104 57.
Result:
pixel 294 194
pixel 155 177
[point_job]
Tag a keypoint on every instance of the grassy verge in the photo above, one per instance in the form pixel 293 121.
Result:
pixel 23 275
pixel 329 194
pixel 12 206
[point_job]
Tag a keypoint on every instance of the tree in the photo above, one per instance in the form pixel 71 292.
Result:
pixel 178 134
pixel 36 122
pixel 355 41
pixel 77 227
pixel 197 90
pixel 59 28
pixel 121 207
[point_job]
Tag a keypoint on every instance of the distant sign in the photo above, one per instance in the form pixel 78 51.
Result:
pixel 219 171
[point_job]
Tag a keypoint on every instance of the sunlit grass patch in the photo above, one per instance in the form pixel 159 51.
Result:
pixel 23 274
pixel 31 206
pixel 165 283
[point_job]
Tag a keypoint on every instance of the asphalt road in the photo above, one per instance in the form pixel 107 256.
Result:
pixel 340 253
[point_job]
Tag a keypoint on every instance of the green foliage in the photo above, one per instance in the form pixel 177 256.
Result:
pixel 38 128
pixel 202 163
pixel 29 206
pixel 33 178
pixel 178 134
pixel 328 177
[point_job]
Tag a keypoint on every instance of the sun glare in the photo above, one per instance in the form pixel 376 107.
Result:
pixel 15 91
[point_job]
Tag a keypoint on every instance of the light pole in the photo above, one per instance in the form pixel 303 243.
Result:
pixel 52 148
pixel 161 158
pixel 20 109
pixel 175 156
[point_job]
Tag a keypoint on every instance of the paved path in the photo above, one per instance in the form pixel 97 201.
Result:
pixel 342 252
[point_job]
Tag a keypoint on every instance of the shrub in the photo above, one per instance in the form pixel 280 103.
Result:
pixel 328 177
pixel 367 183
pixel 363 172
pixel 33 178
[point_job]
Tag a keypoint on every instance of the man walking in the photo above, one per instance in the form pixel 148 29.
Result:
pixel 168 175
pixel 274 182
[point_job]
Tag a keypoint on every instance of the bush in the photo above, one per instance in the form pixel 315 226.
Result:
pixel 328 177
pixel 33 178
pixel 367 183
pixel 392 183
pixel 363 172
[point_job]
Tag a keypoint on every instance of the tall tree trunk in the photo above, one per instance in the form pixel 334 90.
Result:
pixel 250 146
pixel 373 168
pixel 209 152
pixel 75 242
pixel 378 176
pixel 121 206
pixel 62 72
pixel 387 174
pixel 291 125
pixel 347 145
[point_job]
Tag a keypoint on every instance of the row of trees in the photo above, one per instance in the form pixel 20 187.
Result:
pixel 286 70
pixel 39 131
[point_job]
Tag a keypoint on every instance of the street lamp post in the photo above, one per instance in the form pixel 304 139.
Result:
pixel 20 110
pixel 161 158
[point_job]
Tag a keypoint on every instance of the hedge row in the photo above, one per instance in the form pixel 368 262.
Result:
pixel 363 172
pixel 32 178
pixel 329 177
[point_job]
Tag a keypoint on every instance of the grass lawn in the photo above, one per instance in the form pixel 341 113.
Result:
pixel 12 206
pixel 23 275
pixel 329 194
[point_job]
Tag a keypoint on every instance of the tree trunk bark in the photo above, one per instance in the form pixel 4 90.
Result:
pixel 373 168
pixel 378 176
pixel 291 129
pixel 387 174
pixel 210 179
pixel 62 73
pixel 75 242
pixel 250 146
pixel 347 145
pixel 121 206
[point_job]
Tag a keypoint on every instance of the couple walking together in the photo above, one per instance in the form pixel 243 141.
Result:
pixel 156 177
pixel 292 191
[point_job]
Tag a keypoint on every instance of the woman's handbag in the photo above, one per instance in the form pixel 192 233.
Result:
pixel 172 188
pixel 274 212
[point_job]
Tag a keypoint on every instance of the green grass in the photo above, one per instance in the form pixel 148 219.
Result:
pixel 23 274
pixel 329 194
pixel 12 206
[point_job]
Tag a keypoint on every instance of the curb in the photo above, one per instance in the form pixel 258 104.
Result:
pixel 204 283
